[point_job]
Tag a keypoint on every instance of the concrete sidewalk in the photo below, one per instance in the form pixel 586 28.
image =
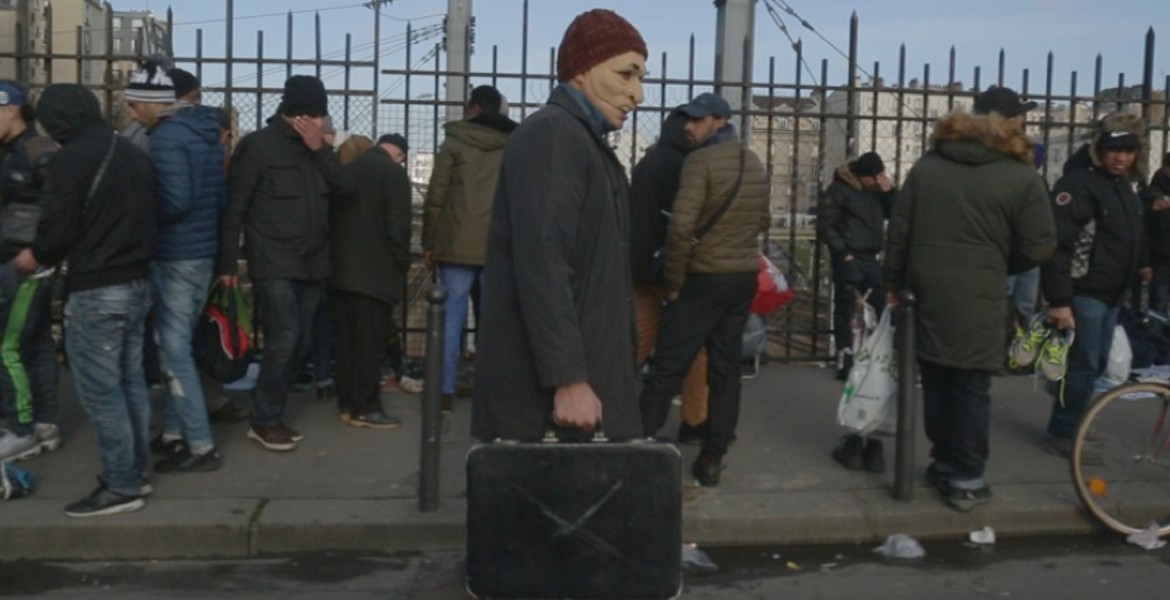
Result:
pixel 355 489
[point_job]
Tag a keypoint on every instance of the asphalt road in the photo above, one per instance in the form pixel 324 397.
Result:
pixel 1100 568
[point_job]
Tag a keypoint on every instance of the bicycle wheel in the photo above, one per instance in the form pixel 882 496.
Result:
pixel 1121 458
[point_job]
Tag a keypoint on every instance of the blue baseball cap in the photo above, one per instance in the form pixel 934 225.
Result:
pixel 706 105
pixel 11 94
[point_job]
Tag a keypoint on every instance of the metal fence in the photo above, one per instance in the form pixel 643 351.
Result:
pixel 802 129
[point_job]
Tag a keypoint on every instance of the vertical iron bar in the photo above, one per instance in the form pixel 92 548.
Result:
pixel 1002 62
pixel 1148 77
pixel 552 72
pixel 1097 72
pixel 428 489
pixel 873 134
pixel 1024 81
pixel 227 92
pixel 406 104
pixel 80 54
pixel 48 62
pixel 170 33
pixel 347 70
pixel 691 71
pixel 288 45
pixel 109 61
pixel 978 77
pixel 1049 77
pixel 259 79
pixel 899 124
pixel 924 115
pixel 435 116
pixel 317 40
pixel 662 89
pixel 851 92
pixel 1072 114
pixel 1121 94
pixel 794 185
pixel 495 65
pixel 951 81
pixel 199 53
pixel 377 99
pixel 820 170
pixel 907 399
pixel 524 64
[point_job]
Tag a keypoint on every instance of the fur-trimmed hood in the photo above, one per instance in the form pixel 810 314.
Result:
pixel 1121 123
pixel 845 175
pixel 979 139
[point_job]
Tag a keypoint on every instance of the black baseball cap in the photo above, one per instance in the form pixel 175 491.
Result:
pixel 1002 100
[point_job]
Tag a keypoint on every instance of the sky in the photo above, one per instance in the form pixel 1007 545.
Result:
pixel 1075 31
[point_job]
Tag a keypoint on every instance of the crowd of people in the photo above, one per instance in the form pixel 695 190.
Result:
pixel 597 298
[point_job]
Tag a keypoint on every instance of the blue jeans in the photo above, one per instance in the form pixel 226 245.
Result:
pixel 1023 291
pixel 458 280
pixel 104 333
pixel 287 308
pixel 1087 359
pixel 957 415
pixel 180 290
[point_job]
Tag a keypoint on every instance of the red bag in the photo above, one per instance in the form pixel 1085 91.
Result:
pixel 772 289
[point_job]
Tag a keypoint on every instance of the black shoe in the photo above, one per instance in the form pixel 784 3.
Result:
pixel 706 470
pixel 872 457
pixel 186 462
pixel 848 452
pixel 963 499
pixel 104 502
pixel 167 449
pixel 692 434
pixel 844 364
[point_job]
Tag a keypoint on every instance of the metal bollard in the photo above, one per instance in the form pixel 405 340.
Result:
pixel 428 477
pixel 907 399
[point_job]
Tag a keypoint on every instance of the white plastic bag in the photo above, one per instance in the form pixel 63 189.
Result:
pixel 1120 358
pixel 870 397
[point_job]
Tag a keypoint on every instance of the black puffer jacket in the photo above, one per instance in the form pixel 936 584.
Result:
pixel 109 238
pixel 1099 225
pixel 851 219
pixel 653 187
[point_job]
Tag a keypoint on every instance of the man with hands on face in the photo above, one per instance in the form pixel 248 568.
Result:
pixel 557 334
pixel 280 183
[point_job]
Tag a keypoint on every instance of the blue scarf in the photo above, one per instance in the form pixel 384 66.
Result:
pixel 596 121
pixel 727 132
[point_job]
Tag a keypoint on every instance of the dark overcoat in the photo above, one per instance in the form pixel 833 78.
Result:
pixel 557 300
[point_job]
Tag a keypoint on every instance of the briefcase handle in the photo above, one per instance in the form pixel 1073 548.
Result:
pixel 550 433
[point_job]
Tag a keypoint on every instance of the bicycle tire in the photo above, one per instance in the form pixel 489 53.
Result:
pixel 1121 458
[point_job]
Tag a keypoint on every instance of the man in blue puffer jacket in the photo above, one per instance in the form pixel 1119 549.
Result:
pixel 192 192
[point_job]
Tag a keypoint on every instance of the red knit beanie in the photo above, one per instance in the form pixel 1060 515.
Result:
pixel 593 38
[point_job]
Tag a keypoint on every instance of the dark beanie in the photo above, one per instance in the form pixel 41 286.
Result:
pixel 394 138
pixel 185 82
pixel 486 97
pixel 304 95
pixel 868 165
pixel 593 38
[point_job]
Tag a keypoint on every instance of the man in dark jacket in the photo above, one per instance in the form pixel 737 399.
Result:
pixel 100 215
pixel 458 211
pixel 653 187
pixel 28 376
pixel 557 336
pixel 1156 198
pixel 970 211
pixel 281 180
pixel 370 249
pixel 1099 226
pixel 192 191
pixel 852 223
pixel 710 283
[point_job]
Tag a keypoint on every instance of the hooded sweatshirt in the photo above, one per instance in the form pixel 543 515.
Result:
pixel 653 186
pixel 107 235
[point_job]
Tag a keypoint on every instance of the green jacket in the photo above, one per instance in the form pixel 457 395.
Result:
pixel 971 211
pixel 732 244
pixel 459 198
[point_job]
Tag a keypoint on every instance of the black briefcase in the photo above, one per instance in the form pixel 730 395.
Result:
pixel 595 520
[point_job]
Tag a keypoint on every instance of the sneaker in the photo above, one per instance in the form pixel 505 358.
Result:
pixel 410 385
pixel 872 458
pixel 692 434
pixel 1053 361
pixel 104 502
pixel 848 452
pixel 48 435
pixel 18 447
pixel 965 499
pixel 167 448
pixel 147 488
pixel 377 419
pixel 295 435
pixel 326 393
pixel 187 462
pixel 706 470
pixel 1026 345
pixel 272 438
